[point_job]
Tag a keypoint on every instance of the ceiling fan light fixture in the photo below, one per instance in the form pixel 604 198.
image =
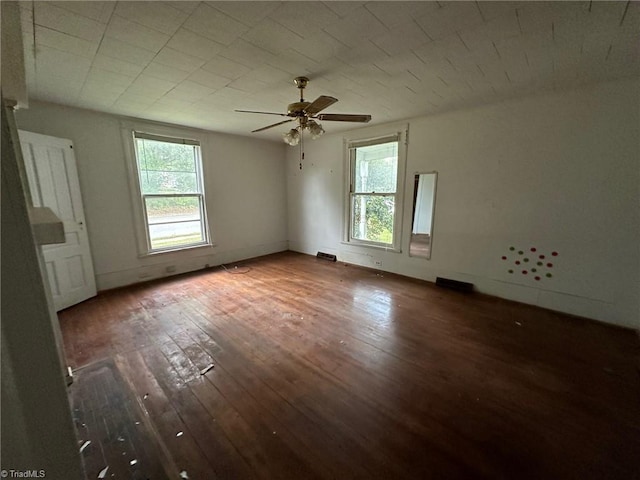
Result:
pixel 292 137
pixel 315 129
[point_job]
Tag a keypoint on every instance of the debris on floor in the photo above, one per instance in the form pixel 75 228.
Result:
pixel 103 472
pixel 179 434
pixel 206 369
pixel 85 445
pixel 183 474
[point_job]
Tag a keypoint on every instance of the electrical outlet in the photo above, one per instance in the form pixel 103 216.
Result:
pixel 377 263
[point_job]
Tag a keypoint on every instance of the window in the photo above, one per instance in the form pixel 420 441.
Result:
pixel 171 192
pixel 374 198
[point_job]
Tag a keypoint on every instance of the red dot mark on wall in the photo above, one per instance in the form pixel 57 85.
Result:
pixel 537 278
pixel 549 265
pixel 517 262
pixel 533 249
pixel 504 258
pixel 555 254
pixel 524 272
pixel 541 256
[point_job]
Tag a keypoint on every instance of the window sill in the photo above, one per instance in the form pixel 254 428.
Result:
pixel 372 245
pixel 176 250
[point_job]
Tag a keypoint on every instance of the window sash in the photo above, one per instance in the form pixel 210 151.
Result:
pixel 160 138
pixel 199 231
pixel 353 193
pixel 149 225
pixel 352 214
pixel 197 161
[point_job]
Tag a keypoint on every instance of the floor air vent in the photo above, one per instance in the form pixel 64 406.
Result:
pixel 454 284
pixel 326 256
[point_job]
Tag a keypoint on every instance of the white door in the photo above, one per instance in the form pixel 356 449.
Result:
pixel 53 181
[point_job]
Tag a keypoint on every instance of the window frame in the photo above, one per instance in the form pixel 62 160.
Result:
pixel 130 133
pixel 350 146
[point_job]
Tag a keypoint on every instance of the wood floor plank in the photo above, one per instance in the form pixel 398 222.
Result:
pixel 360 374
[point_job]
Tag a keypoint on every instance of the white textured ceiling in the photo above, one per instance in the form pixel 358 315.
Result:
pixel 193 63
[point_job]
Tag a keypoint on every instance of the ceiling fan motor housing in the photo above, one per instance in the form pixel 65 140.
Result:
pixel 296 109
pixel 301 82
pixel 305 112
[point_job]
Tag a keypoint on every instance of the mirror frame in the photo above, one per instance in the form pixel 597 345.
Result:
pixel 433 213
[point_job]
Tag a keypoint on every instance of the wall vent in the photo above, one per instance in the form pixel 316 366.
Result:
pixel 326 256
pixel 454 284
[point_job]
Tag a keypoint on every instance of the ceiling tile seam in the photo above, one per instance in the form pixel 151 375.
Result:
pixel 418 57
pixel 374 15
pixel 222 54
pixel 160 62
pixel 281 24
pixel 388 54
pixel 336 39
pixel 422 29
pixel 520 25
pixel 86 78
pixel 463 42
pixel 57 49
pixel 59 31
pixel 380 48
pixel 257 45
pixel 148 26
pixel 62 5
pixel 327 3
pixel 480 11
pixel 624 14
pixel 152 59
pixel 229 81
pixel 249 26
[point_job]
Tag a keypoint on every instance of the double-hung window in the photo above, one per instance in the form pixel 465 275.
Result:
pixel 171 192
pixel 374 197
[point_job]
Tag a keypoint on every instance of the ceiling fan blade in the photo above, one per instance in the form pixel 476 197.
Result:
pixel 342 117
pixel 271 126
pixel 263 113
pixel 319 104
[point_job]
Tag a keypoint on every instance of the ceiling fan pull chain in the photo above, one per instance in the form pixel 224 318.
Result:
pixel 301 149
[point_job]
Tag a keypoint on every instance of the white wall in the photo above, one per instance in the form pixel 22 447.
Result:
pixel 556 172
pixel 244 182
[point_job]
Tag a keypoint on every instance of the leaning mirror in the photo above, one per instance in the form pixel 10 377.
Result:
pixel 424 203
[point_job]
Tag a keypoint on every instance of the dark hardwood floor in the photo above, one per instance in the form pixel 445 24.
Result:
pixel 323 370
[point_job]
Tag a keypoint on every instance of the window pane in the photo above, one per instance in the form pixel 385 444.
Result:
pixel 170 235
pixel 167 167
pixel 373 218
pixel 174 221
pixel 376 168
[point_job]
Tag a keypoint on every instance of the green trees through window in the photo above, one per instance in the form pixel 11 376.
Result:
pixel 172 194
pixel 374 174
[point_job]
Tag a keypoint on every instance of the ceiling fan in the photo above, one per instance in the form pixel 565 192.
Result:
pixel 306 114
